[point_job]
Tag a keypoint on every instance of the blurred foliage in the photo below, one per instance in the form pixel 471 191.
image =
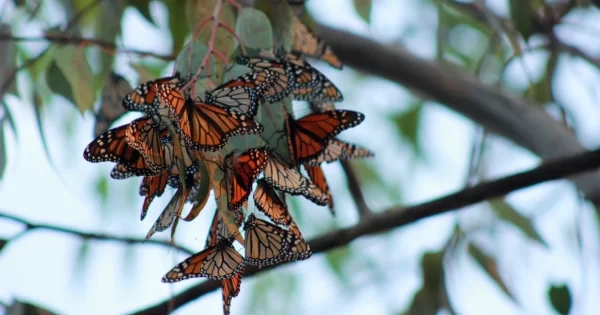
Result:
pixel 363 8
pixel 488 263
pixel 407 125
pixel 20 307
pixel 560 297
pixel 507 213
pixel 3 243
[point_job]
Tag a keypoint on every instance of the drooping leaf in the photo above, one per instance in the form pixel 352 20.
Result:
pixel 336 260
pixel 58 83
pixel 7 58
pixel 76 69
pixel 280 16
pixel 20 307
pixel 432 296
pixel 363 8
pixel 510 215
pixel 102 189
pixel 177 10
pixel 146 73
pixel 407 125
pixel 3 243
pixel 541 91
pixel 489 265
pixel 111 107
pixel 521 14
pixel 203 192
pixel 37 102
pixel 560 297
pixel 254 29
pixel 190 59
pixel 3 155
pixel 107 26
pixel 82 258
pixel 143 7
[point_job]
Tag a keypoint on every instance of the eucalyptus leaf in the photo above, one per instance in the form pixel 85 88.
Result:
pixel 521 13
pixel 510 215
pixel 76 69
pixel 254 29
pixel 489 266
pixel 7 57
pixel 3 157
pixel 20 307
pixel 560 298
pixel 364 8
pixel 143 7
pixel 3 243
pixel 407 124
pixel 58 83
pixel 178 29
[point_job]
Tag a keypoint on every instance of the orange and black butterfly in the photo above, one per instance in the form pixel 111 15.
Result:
pixel 242 94
pixel 316 175
pixel 144 97
pixel 307 43
pixel 230 288
pixel 242 170
pixel 170 213
pixel 146 136
pixel 221 261
pixel 273 205
pixel 112 146
pixel 151 187
pixel 265 243
pixel 203 126
pixel 309 136
pixel 340 150
pixel 285 177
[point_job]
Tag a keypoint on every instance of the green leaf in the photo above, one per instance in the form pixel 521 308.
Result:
pixel 190 59
pixel 3 153
pixel 541 91
pixel 37 102
pixel 178 28
pixel 510 215
pixel 407 125
pixel 336 260
pixel 58 83
pixel 3 243
pixel 560 297
pixel 73 64
pixel 370 177
pixel 102 189
pixel 521 14
pixel 143 6
pixel 7 59
pixel 363 8
pixel 432 297
pixel 489 265
pixel 254 29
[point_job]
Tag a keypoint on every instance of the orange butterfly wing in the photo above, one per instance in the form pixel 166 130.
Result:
pixel 268 202
pixel 243 171
pixel 316 175
pixel 308 136
pixel 151 187
pixel 144 135
pixel 230 288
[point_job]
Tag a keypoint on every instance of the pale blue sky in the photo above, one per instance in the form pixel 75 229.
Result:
pixel 41 266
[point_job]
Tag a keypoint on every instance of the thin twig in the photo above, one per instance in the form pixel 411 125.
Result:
pixel 398 216
pixel 29 226
pixel 355 190
pixel 64 38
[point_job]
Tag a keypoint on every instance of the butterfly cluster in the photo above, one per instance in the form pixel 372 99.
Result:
pixel 178 135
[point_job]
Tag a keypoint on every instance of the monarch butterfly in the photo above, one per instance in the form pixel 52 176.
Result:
pixel 144 135
pixel 242 94
pixel 218 262
pixel 112 146
pixel 290 74
pixel 170 213
pixel 205 127
pixel 143 98
pixel 316 175
pixel 340 150
pixel 110 107
pixel 299 249
pixel 269 202
pixel 287 178
pixel 230 288
pixel 152 186
pixel 242 170
pixel 309 136
pixel 265 243
pixel 307 43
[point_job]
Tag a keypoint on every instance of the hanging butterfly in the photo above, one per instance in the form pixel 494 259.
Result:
pixel 230 288
pixel 151 187
pixel 112 146
pixel 203 126
pixel 218 262
pixel 110 107
pixel 309 136
pixel 143 98
pixel 242 94
pixel 287 178
pixel 269 202
pixel 340 150
pixel 305 42
pixel 316 175
pixel 170 213
pixel 241 172
pixel 265 243
pixel 155 145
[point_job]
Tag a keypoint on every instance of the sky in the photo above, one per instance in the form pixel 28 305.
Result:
pixel 42 267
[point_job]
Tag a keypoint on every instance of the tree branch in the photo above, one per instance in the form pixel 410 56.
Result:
pixel 65 38
pixel 355 190
pixel 398 216
pixel 516 119
pixel 29 226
